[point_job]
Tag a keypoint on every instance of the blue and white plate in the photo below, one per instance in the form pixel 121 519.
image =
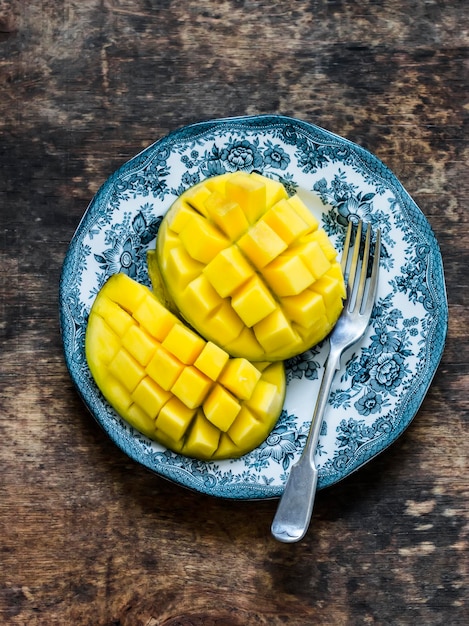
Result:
pixel 383 379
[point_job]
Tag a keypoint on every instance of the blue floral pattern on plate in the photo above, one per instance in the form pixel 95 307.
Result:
pixel 383 379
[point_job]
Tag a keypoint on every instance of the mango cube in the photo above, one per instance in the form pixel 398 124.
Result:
pixel 244 343
pixel 323 240
pixel 201 298
pixel 245 427
pixel 127 296
pixel 302 210
pixel 217 184
pixel 180 215
pixel 202 240
pixel 211 360
pixel 191 387
pixel 181 268
pixel 240 377
pixel 224 322
pixel 288 275
pixel 140 420
pixel 249 193
pixel 253 302
pixel 261 244
pixel 107 342
pixel 139 344
pixel 154 317
pixel 227 271
pixel 327 287
pixel 150 396
pixel 119 320
pixel 183 343
pixel 274 332
pixel 263 399
pixel 274 190
pixel 227 449
pixel 116 393
pixel 164 368
pixel 312 255
pixel 285 221
pixel 203 438
pixel 305 308
pixel 221 408
pixel 335 271
pixel 227 215
pixel 196 197
pixel 175 418
pixel 126 369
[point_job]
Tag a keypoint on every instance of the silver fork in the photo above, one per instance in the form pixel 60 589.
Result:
pixel 295 508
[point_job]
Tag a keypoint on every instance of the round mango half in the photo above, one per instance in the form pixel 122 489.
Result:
pixel 249 268
pixel 170 383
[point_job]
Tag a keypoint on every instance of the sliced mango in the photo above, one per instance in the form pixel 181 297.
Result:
pixel 247 269
pixel 170 383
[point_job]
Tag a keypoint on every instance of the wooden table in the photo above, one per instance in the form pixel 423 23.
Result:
pixel 87 535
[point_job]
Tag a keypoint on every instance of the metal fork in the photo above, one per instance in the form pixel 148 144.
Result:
pixel 295 508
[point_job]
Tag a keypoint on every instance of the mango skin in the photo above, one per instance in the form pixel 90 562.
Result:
pixel 249 268
pixel 171 384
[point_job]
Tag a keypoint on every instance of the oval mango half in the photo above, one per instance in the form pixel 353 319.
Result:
pixel 170 383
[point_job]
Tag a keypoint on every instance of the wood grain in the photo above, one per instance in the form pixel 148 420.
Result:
pixel 88 536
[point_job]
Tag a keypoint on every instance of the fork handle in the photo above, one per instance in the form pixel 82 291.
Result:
pixel 295 508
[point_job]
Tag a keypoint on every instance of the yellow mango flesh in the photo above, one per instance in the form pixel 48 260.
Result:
pixel 170 383
pixel 249 268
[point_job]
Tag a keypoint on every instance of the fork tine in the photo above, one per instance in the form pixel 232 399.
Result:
pixel 364 270
pixel 373 284
pixel 354 263
pixel 345 251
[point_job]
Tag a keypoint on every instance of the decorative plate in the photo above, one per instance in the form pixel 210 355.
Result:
pixel 383 380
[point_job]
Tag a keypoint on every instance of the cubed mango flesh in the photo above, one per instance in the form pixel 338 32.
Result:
pixel 247 270
pixel 170 383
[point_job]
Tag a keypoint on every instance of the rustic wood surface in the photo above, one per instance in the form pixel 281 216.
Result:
pixel 86 535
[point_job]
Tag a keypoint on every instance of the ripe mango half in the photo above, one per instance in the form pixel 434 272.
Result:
pixel 170 383
pixel 249 268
